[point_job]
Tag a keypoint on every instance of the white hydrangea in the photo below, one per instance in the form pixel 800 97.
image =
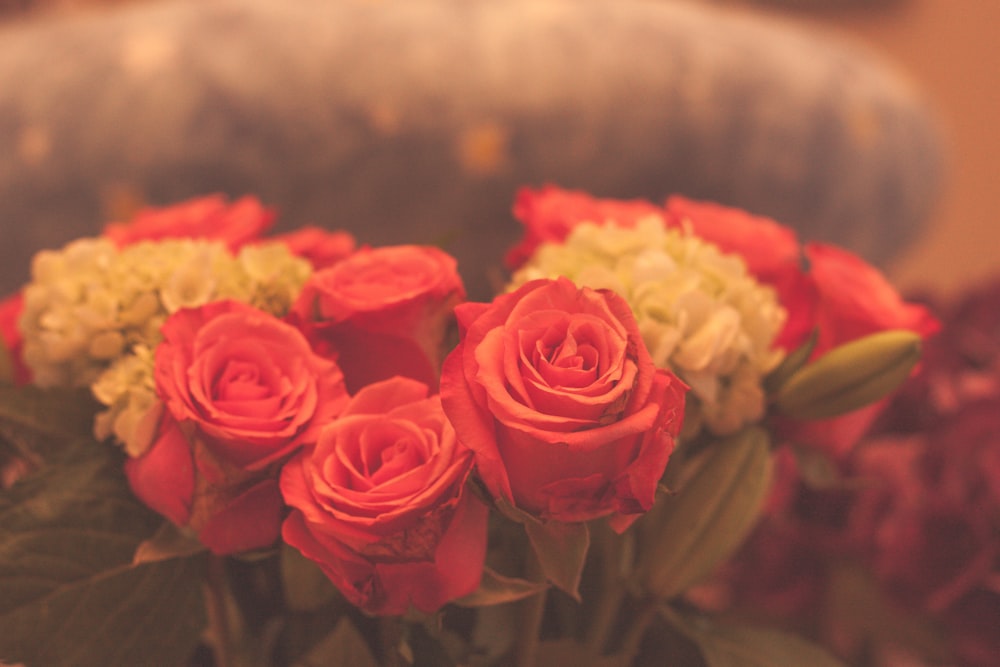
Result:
pixel 700 313
pixel 92 314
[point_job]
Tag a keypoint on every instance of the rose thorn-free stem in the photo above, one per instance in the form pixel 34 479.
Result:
pixel 216 596
pixel 612 591
pixel 533 609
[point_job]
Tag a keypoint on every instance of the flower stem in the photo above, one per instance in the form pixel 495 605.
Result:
pixel 390 633
pixel 637 629
pixel 216 609
pixel 611 593
pixel 533 609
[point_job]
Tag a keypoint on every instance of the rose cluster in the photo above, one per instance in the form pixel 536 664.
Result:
pixel 823 291
pixel 286 387
pixel 349 402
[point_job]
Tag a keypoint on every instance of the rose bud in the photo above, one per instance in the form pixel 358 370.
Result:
pixel 243 391
pixel 380 502
pixel 552 388
pixel 383 312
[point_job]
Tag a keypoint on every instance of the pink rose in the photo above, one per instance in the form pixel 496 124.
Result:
pixel 550 213
pixel 204 218
pixel 231 510
pixel 246 381
pixel 242 391
pixel 10 313
pixel 380 502
pixel 822 287
pixel 383 312
pixel 320 247
pixel 553 389
pixel 848 299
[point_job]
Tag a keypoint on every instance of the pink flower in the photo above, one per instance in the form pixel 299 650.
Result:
pixel 10 312
pixel 320 247
pixel 383 312
pixel 243 391
pixel 209 217
pixel 380 502
pixel 553 389
pixel 822 287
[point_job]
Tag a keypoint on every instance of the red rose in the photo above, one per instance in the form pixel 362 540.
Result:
pixel 242 390
pixel 246 381
pixel 229 509
pixel 847 299
pixel 549 214
pixel 383 312
pixel 319 246
pixel 379 502
pixel 10 313
pixel 821 287
pixel 204 218
pixel 553 389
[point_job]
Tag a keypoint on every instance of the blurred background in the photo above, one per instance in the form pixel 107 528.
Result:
pixel 937 58
pixel 948 48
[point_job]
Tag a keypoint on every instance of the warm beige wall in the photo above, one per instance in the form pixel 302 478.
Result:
pixel 952 49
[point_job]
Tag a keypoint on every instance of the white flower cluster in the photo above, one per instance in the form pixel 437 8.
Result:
pixel 92 314
pixel 700 313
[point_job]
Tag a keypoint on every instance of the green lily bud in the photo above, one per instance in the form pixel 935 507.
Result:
pixel 850 376
pixel 686 535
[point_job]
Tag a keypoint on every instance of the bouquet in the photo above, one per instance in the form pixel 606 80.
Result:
pixel 219 447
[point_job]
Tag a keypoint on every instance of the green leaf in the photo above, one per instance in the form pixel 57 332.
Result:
pixel 70 594
pixel 306 587
pixel 733 645
pixel 495 588
pixel 36 422
pixel 561 549
pixel 343 646
pixel 167 542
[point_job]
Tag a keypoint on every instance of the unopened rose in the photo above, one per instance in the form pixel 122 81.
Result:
pixel 242 391
pixel 380 502
pixel 553 389
pixel 211 217
pixel 383 312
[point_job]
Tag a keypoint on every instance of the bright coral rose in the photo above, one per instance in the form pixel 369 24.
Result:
pixel 553 389
pixel 247 382
pixel 319 247
pixel 210 217
pixel 10 312
pixel 242 390
pixel 230 510
pixel 383 312
pixel 847 299
pixel 822 287
pixel 548 215
pixel 380 503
